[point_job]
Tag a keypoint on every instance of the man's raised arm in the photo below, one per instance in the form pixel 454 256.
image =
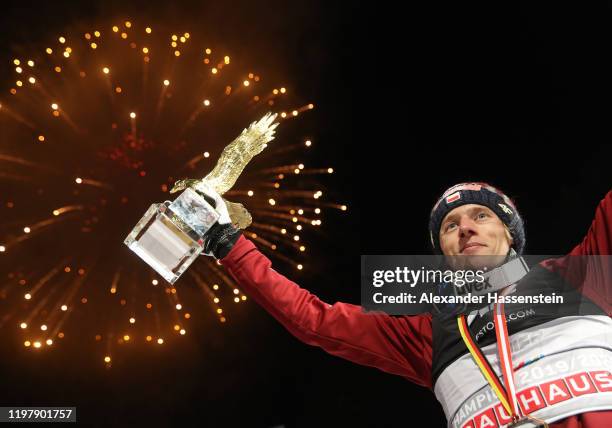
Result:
pixel 397 345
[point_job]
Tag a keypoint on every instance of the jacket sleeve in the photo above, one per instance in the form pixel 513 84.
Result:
pixel 397 345
pixel 589 265
pixel 598 240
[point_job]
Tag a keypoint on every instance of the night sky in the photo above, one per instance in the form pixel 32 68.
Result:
pixel 408 103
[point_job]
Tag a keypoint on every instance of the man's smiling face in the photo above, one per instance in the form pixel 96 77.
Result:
pixel 475 230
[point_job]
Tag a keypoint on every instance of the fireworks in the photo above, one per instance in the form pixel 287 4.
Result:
pixel 97 126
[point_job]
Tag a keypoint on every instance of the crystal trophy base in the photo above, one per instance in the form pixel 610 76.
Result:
pixel 170 235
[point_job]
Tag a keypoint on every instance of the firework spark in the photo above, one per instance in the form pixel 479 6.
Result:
pixel 99 125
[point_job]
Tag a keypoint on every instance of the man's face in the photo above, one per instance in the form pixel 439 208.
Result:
pixel 474 235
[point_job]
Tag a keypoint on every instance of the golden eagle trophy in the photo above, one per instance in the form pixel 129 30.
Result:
pixel 170 235
pixel 232 162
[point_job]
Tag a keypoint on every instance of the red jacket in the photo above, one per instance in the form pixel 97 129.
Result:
pixel 397 345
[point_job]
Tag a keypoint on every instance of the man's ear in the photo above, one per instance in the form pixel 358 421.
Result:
pixel 508 235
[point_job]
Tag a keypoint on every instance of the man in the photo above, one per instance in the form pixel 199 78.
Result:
pixel 490 368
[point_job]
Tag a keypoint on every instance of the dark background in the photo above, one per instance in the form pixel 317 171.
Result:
pixel 409 102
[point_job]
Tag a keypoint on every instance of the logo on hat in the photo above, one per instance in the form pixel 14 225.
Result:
pixel 454 197
pixel 505 208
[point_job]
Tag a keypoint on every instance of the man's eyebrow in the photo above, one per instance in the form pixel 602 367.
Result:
pixel 478 208
pixel 449 218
